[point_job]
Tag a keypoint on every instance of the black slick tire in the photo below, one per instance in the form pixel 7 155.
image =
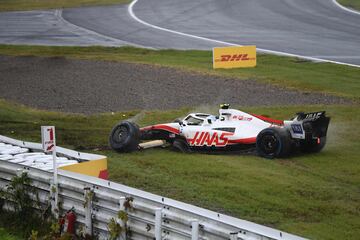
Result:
pixel 180 145
pixel 273 143
pixel 125 137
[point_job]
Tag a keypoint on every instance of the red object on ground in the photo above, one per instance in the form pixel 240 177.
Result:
pixel 104 174
pixel 70 219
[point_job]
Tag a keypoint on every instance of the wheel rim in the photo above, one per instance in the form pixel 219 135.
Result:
pixel 269 144
pixel 120 134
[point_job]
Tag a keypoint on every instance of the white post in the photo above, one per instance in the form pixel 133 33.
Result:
pixel 234 236
pixel 158 219
pixel 55 187
pixel 55 166
pixel 195 230
pixel 49 145
pixel 54 199
pixel 88 217
pixel 122 223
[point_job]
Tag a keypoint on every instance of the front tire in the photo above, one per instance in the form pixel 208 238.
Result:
pixel 125 137
pixel 180 145
pixel 273 143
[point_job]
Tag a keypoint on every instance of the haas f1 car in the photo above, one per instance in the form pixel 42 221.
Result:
pixel 231 130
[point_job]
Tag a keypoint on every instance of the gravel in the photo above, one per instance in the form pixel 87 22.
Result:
pixel 85 86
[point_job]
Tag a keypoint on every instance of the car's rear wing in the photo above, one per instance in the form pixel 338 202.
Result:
pixel 315 124
pixel 309 125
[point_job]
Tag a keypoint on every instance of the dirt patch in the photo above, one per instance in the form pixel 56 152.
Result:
pixel 84 86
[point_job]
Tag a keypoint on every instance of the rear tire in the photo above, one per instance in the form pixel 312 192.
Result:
pixel 313 146
pixel 125 137
pixel 273 143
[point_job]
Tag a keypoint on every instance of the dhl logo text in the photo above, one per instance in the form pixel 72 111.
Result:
pixel 205 138
pixel 235 57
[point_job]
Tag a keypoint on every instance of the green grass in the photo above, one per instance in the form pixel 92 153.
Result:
pixel 17 5
pixel 14 227
pixel 6 235
pixel 284 71
pixel 315 196
pixel 355 4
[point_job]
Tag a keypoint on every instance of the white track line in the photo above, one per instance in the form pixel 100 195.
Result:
pixel 58 14
pixel 132 14
pixel 340 57
pixel 345 8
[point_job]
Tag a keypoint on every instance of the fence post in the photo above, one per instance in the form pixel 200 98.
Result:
pixel 54 196
pixel 195 229
pixel 234 236
pixel 121 222
pixel 88 205
pixel 158 220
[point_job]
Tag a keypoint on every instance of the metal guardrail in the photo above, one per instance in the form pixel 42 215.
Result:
pixel 151 216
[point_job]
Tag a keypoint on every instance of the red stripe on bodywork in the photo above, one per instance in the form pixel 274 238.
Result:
pixel 270 120
pixel 244 140
pixel 161 127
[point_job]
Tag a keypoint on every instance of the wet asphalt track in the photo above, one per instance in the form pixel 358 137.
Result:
pixel 313 28
pixel 47 28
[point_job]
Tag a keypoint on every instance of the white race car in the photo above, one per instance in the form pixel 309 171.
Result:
pixel 231 130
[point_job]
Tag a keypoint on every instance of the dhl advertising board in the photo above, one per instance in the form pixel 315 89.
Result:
pixel 234 57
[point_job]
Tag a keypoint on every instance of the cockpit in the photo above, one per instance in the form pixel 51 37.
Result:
pixel 198 119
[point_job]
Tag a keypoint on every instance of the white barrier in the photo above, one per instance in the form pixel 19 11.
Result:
pixel 151 216
pixel 31 154
pixel 97 201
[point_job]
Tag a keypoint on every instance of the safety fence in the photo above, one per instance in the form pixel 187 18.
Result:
pixel 97 201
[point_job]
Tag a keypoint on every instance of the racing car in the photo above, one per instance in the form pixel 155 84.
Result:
pixel 231 130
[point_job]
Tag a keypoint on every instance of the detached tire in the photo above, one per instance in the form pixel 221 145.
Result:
pixel 273 143
pixel 313 146
pixel 125 137
pixel 180 145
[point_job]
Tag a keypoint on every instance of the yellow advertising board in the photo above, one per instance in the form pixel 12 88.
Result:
pixel 234 57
